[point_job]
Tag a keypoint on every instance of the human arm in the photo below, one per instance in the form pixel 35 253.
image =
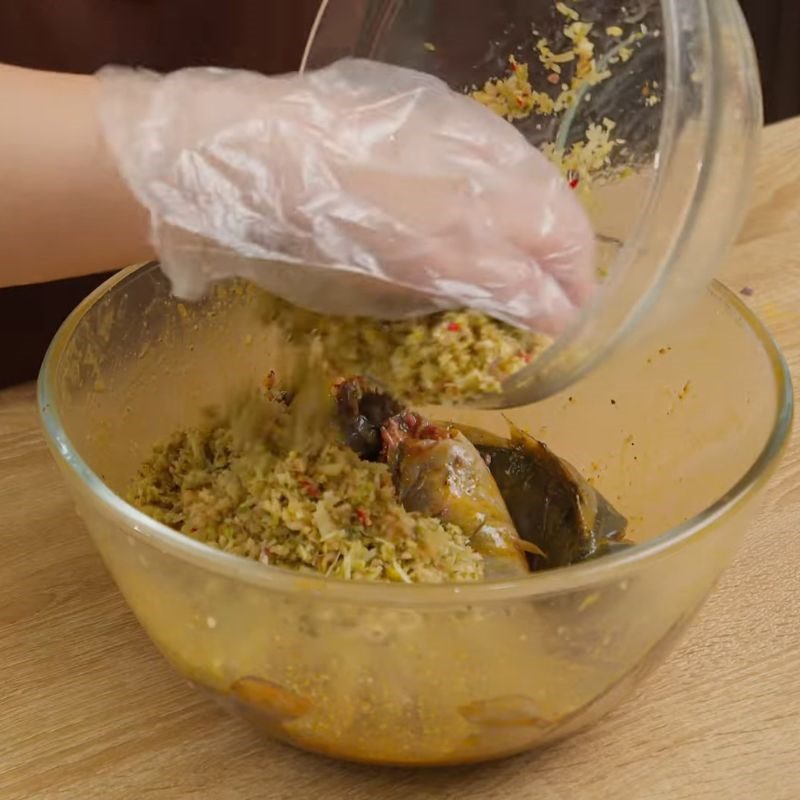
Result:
pixel 362 188
pixel 64 209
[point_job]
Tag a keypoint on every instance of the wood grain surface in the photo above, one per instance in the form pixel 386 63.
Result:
pixel 88 710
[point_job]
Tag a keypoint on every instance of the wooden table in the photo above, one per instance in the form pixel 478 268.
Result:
pixel 89 710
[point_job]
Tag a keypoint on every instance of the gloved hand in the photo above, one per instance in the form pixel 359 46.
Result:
pixel 361 188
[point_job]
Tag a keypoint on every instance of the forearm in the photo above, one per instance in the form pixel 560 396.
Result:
pixel 64 210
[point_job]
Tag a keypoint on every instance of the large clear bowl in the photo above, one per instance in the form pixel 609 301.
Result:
pixel 680 432
pixel 687 104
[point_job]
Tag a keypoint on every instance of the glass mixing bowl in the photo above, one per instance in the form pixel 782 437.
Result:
pixel 684 96
pixel 680 432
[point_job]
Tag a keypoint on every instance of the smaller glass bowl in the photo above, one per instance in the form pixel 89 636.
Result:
pixel 686 107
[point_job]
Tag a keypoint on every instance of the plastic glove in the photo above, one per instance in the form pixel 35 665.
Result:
pixel 361 188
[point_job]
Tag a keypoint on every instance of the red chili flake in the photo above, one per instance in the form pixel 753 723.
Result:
pixel 453 326
pixel 573 184
pixel 553 78
pixel 526 357
pixel 432 431
pixel 309 487
pixel 513 66
pixel 411 421
pixel 520 102
pixel 363 517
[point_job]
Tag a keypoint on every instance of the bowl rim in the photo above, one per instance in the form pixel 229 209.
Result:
pixel 578 576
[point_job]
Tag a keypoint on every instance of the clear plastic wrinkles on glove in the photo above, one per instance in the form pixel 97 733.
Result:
pixel 361 188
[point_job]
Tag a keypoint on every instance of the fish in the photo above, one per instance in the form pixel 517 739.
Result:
pixel 551 503
pixel 362 409
pixel 436 471
pixel 439 472
pixel 513 497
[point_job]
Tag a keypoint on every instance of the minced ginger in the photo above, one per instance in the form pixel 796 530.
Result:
pixel 242 484
pixel 446 357
pixel 515 98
